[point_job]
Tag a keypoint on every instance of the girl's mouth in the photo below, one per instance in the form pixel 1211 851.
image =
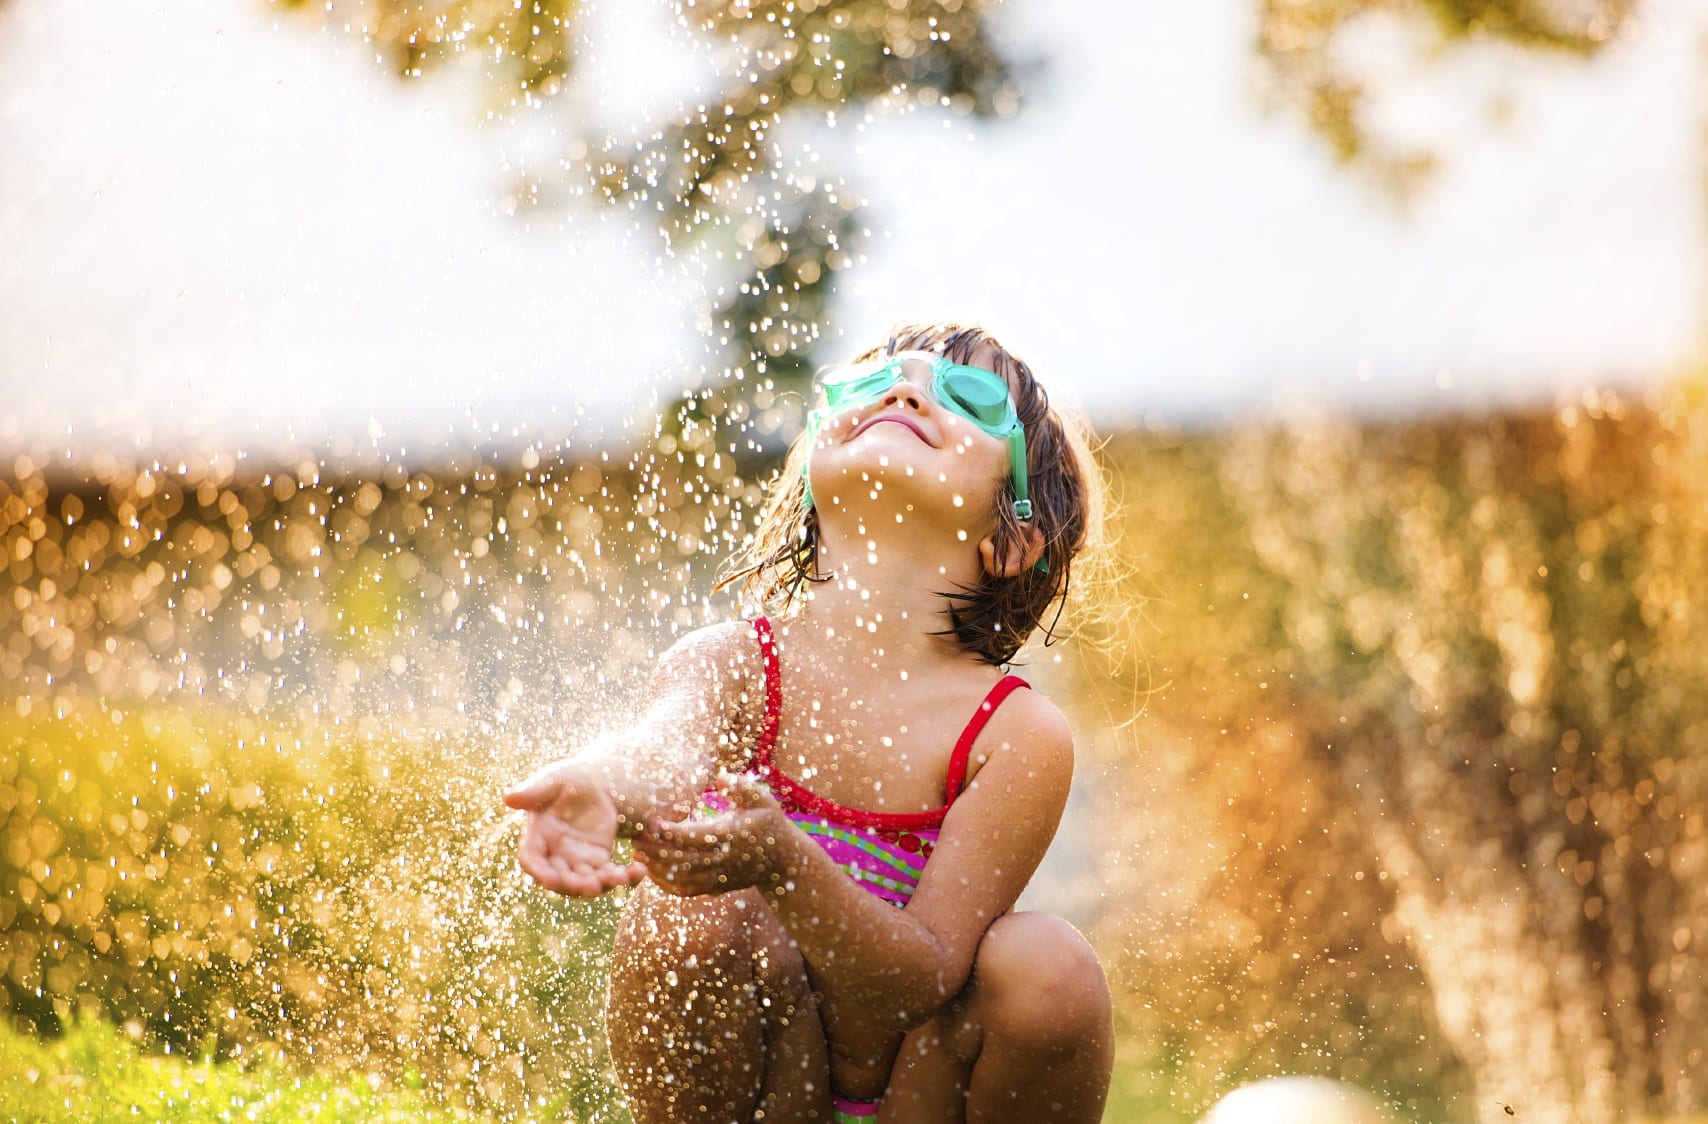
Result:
pixel 898 419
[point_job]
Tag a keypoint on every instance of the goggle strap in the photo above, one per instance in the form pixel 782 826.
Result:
pixel 813 420
pixel 1017 473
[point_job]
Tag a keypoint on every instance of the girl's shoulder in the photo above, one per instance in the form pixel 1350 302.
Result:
pixel 731 647
pixel 723 668
pixel 721 663
pixel 1030 726
pixel 1035 708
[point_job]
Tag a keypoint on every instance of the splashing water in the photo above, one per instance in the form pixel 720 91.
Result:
pixel 256 716
pixel 254 731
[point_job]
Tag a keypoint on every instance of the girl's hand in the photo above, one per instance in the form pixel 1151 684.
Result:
pixel 571 833
pixel 745 846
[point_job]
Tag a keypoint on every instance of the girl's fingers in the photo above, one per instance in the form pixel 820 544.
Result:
pixel 532 853
pixel 547 873
pixel 554 871
pixel 687 884
pixel 674 868
pixel 714 835
pixel 748 792
pixel 532 794
pixel 696 855
pixel 687 833
pixel 659 854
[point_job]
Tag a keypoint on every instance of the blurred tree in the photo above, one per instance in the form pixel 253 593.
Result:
pixel 1301 45
pixel 1248 928
pixel 1482 639
pixel 1499 624
pixel 715 176
pixel 1497 618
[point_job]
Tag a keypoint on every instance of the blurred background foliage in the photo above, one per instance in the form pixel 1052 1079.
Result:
pixel 1308 70
pixel 187 875
pixel 1415 800
pixel 730 179
pixel 1433 741
pixel 253 734
pixel 101 1072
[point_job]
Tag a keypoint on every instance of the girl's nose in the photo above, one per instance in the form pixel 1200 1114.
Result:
pixel 905 393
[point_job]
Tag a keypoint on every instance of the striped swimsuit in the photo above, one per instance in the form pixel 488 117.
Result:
pixel 883 852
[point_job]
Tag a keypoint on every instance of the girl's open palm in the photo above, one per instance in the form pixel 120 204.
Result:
pixel 569 841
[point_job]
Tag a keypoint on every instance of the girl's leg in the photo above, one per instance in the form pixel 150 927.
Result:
pixel 797 1053
pixel 710 1014
pixel 1030 1038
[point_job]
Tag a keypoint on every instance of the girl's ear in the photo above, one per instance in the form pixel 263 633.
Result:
pixel 1016 557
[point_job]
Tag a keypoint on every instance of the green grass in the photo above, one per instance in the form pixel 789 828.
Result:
pixel 96 1072
pixel 252 889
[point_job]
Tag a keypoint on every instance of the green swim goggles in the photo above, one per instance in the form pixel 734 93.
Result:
pixel 980 396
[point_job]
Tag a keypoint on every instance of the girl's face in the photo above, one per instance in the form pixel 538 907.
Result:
pixel 906 453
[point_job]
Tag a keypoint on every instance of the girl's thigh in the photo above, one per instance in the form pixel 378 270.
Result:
pixel 709 1014
pixel 933 1072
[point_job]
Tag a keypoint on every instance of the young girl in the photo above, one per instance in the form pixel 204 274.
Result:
pixel 834 810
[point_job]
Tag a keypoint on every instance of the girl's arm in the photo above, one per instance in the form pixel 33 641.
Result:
pixel 901 965
pixel 578 806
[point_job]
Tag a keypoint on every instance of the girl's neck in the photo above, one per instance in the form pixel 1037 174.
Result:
pixel 883 604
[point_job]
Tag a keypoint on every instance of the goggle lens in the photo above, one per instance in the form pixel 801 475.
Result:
pixel 852 386
pixel 982 399
pixel 976 394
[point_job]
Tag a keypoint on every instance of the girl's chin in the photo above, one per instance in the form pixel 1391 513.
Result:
pixel 891 511
pixel 896 465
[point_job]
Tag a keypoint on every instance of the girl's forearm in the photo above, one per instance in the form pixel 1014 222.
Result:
pixel 660 765
pixel 877 955
pixel 643 780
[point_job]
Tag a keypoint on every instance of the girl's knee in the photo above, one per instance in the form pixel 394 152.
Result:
pixel 684 981
pixel 676 953
pixel 1039 982
pixel 670 948
pixel 779 969
pixel 676 929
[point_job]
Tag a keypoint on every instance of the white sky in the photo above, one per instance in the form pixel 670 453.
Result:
pixel 220 226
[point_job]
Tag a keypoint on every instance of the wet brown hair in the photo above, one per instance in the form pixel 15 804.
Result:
pixel 993 617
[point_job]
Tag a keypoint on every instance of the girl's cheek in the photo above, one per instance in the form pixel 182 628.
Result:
pixel 836 429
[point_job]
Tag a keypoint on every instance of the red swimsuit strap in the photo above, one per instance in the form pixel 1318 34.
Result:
pixel 773 694
pixel 957 776
pixel 792 792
